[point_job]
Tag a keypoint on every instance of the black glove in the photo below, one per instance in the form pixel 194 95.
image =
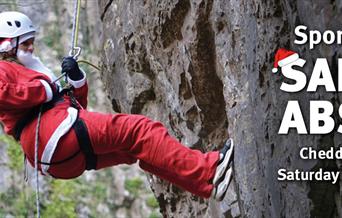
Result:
pixel 70 67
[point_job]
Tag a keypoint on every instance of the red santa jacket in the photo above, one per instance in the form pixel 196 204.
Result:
pixel 21 89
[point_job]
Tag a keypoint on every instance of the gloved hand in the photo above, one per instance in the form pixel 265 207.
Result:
pixel 70 67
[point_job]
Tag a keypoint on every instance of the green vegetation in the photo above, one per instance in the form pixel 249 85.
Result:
pixel 11 6
pixel 49 41
pixel 62 199
pixel 133 185
pixel 152 202
pixel 99 191
pixel 17 203
pixel 53 37
pixel 14 152
pixel 155 214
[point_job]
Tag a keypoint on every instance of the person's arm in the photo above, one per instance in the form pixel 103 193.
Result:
pixel 77 79
pixel 24 95
pixel 80 89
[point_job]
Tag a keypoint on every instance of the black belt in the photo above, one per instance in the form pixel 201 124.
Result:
pixel 85 144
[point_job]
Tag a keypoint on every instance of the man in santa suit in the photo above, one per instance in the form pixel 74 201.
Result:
pixel 72 139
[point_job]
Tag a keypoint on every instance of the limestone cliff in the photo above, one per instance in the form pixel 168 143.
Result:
pixel 203 68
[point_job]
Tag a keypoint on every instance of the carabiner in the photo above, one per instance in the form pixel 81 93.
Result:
pixel 78 52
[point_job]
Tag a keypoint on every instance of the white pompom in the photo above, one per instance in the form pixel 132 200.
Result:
pixel 5 46
pixel 274 70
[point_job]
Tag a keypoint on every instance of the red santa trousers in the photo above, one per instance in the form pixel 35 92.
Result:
pixel 122 138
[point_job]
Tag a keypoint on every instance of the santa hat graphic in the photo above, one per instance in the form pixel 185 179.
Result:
pixel 284 57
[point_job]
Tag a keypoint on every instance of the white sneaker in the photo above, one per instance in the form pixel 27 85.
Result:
pixel 226 156
pixel 220 190
pixel 224 171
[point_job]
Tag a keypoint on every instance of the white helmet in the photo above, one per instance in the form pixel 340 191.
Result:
pixel 14 24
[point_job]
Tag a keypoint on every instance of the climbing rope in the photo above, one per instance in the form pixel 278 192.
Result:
pixel 75 55
pixel 36 144
pixel 74 37
pixel 75 27
pixel 89 63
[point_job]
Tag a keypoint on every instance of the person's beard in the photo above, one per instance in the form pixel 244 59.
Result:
pixel 32 62
pixel 26 58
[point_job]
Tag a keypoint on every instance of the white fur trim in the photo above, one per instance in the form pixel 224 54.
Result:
pixel 6 46
pixel 78 83
pixel 48 90
pixel 60 131
pixel 288 60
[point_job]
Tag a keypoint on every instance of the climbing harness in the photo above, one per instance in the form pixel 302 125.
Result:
pixel 84 143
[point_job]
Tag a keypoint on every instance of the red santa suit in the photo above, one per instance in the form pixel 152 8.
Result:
pixel 114 138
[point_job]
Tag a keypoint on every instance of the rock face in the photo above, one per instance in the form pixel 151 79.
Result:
pixel 203 68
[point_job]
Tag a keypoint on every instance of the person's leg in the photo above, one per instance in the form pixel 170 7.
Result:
pixel 149 141
pixel 114 158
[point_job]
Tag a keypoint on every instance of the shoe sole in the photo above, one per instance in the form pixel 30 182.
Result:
pixel 223 186
pixel 224 165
